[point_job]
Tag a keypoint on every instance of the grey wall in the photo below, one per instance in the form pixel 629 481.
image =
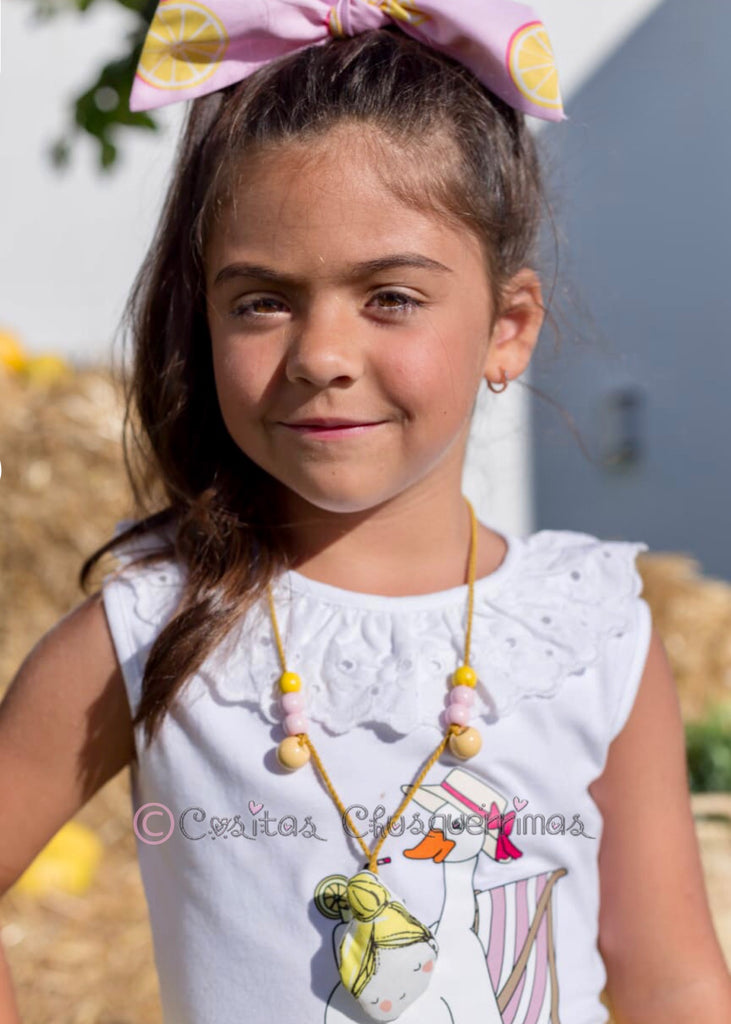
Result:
pixel 640 178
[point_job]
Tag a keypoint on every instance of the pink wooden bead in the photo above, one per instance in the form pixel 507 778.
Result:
pixel 462 695
pixel 292 702
pixel 458 714
pixel 295 723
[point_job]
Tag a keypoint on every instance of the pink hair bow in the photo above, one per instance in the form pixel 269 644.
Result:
pixel 193 48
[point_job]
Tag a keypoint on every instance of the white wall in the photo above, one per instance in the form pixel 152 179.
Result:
pixel 70 243
pixel 643 198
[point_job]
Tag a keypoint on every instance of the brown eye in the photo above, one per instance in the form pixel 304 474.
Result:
pixel 398 302
pixel 252 308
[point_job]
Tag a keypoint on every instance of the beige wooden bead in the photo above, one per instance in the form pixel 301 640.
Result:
pixel 465 744
pixel 292 754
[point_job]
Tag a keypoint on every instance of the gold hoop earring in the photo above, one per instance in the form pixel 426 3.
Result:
pixel 498 389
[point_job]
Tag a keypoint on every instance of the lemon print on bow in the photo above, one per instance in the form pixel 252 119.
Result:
pixel 533 66
pixel 194 48
pixel 185 44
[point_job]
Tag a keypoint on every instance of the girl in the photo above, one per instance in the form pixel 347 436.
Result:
pixel 307 603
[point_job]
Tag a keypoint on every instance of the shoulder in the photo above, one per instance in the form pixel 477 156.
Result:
pixel 70 677
pixel 139 599
pixel 556 548
pixel 142 593
pixel 584 593
pixel 595 580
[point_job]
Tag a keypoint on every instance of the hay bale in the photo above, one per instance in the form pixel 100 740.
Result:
pixel 693 616
pixel 81 960
pixel 63 488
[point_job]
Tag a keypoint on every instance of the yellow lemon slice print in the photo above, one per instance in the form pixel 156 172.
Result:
pixel 331 895
pixel 183 47
pixel 533 67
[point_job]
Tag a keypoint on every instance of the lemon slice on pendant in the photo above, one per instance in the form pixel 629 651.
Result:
pixel 183 47
pixel 331 896
pixel 532 65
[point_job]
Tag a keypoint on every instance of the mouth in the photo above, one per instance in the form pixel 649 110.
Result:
pixel 331 428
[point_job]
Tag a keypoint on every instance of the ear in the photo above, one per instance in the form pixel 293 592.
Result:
pixel 515 333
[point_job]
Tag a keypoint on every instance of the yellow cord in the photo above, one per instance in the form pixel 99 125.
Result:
pixel 452 729
pixel 470 581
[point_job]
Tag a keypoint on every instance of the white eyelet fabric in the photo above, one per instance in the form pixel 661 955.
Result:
pixel 545 615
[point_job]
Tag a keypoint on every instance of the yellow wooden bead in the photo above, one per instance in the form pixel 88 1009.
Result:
pixel 464 676
pixel 465 744
pixel 292 754
pixel 290 682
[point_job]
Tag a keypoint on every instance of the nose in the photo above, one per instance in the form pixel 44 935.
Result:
pixel 324 347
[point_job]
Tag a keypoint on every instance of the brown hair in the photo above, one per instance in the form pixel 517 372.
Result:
pixel 216 516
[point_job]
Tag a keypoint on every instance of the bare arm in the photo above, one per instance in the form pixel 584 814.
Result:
pixel 65 730
pixel 664 964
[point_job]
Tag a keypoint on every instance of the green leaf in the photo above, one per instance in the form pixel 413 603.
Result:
pixel 102 110
pixel 708 750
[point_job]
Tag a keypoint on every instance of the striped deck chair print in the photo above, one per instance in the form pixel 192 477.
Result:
pixel 515 925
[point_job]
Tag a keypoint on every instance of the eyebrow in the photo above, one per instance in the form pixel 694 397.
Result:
pixel 355 272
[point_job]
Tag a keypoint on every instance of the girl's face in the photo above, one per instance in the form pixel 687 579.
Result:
pixel 329 299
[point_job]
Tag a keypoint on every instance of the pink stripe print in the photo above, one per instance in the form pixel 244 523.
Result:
pixel 497 935
pixel 540 979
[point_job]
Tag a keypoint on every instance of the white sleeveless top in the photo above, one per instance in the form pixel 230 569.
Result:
pixel 498 854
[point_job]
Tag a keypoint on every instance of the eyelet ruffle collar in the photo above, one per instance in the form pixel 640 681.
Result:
pixel 544 615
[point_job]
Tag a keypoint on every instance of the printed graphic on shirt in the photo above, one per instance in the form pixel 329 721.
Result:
pixel 492 948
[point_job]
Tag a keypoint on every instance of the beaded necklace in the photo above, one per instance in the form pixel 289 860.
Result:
pixel 464 742
pixel 374 919
pixel 366 902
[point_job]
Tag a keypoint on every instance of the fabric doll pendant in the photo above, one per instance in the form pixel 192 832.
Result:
pixel 385 955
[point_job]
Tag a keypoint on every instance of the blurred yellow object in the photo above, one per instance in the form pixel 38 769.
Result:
pixel 68 862
pixel 12 356
pixel 45 369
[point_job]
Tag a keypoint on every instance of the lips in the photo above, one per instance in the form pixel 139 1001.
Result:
pixel 329 423
pixel 327 433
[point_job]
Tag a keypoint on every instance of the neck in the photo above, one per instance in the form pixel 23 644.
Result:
pixel 404 546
